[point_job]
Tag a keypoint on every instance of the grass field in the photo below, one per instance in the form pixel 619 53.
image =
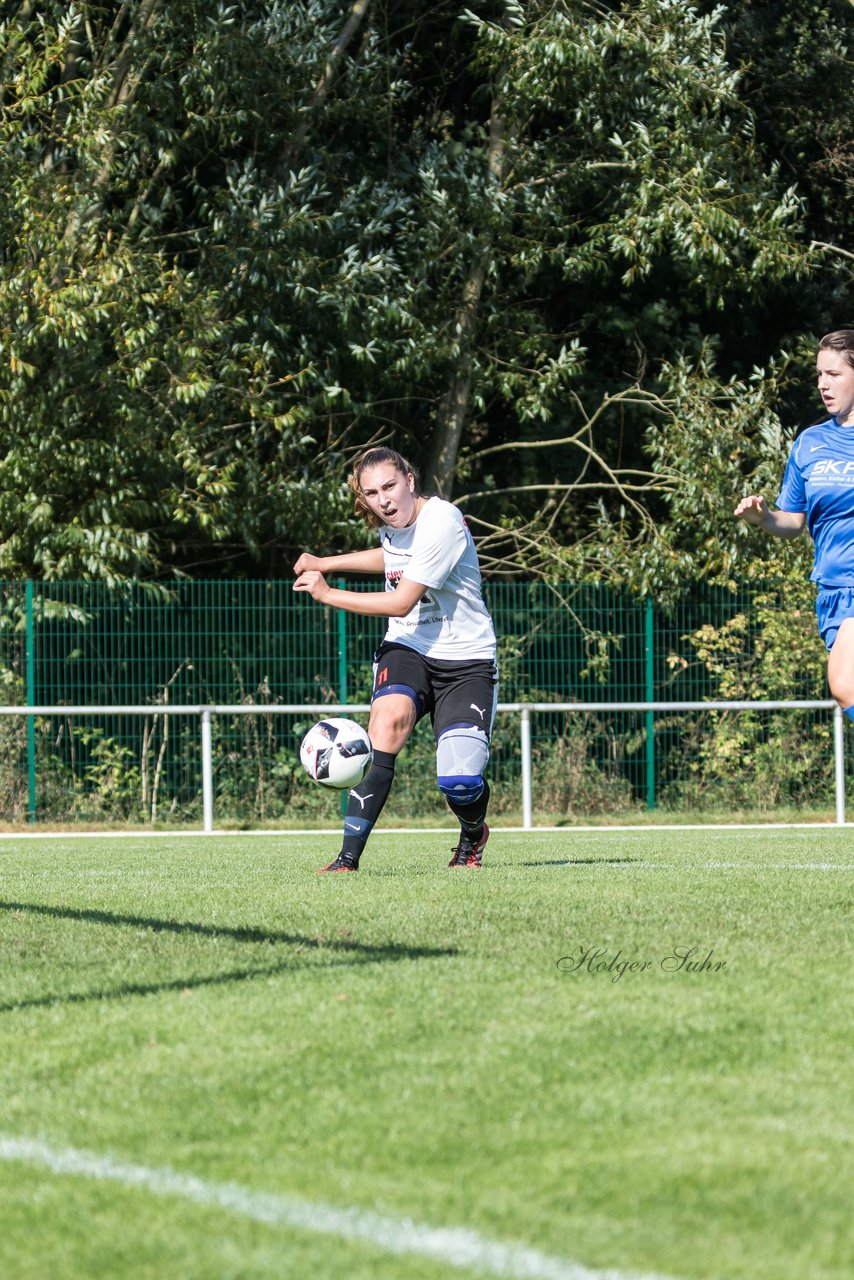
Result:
pixel 215 1063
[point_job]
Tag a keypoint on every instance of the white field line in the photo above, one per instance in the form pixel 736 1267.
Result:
pixel 643 864
pixel 452 1246
pixel 779 866
pixel 416 831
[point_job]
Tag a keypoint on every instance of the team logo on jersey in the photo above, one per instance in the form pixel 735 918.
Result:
pixel 829 467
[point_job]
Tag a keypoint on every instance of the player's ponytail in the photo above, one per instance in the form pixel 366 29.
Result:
pixel 375 458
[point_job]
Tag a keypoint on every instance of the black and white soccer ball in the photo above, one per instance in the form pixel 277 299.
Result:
pixel 336 753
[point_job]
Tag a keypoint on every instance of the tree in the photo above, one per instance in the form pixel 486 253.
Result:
pixel 633 212
pixel 240 242
pixel 148 406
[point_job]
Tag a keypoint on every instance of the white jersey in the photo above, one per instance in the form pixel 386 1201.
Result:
pixel 450 621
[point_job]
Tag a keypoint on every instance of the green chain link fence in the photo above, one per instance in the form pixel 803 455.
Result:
pixel 190 643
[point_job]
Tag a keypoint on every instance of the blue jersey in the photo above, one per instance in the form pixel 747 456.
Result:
pixel 819 479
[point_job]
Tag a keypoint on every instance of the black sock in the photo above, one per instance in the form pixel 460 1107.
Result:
pixel 472 815
pixel 365 803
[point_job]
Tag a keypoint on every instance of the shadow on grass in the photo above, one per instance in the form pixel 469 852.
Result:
pixel 238 933
pixel 355 953
pixel 187 985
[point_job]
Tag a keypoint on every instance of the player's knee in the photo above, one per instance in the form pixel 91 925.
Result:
pixel 392 721
pixel 841 684
pixel 462 753
pixel 844 695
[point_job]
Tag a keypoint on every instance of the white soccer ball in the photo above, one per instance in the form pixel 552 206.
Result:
pixel 336 753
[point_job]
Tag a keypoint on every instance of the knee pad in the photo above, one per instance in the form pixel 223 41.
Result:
pixel 461 757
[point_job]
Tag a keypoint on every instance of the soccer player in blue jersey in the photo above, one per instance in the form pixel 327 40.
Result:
pixel 818 493
pixel 438 657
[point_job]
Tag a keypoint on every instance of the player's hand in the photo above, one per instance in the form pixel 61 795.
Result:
pixel 753 509
pixel 308 561
pixel 313 582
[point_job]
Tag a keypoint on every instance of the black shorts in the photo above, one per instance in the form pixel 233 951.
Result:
pixel 452 693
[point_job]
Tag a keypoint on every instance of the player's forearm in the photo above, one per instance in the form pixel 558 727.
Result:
pixel 370 561
pixel 783 524
pixel 371 604
pixel 754 510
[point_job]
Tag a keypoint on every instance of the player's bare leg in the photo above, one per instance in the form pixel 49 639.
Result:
pixel 392 720
pixel 840 666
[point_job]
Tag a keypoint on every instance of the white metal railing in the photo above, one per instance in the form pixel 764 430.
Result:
pixel 206 711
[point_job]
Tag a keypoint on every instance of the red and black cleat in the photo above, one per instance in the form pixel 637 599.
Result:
pixel 469 852
pixel 344 862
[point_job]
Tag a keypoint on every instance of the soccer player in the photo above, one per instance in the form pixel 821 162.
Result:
pixel 438 654
pixel 818 491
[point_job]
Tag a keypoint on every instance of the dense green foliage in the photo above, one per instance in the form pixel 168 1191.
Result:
pixel 545 248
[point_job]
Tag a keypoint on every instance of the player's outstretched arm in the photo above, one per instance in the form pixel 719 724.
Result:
pixel 370 561
pixel 373 604
pixel 755 510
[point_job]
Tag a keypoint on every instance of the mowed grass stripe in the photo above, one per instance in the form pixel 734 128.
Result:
pixel 454 1246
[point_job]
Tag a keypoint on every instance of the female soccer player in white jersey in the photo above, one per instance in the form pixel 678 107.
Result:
pixel 438 655
pixel 818 491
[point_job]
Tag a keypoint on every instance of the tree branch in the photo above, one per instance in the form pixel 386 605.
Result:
pixel 25 12
pixel 632 395
pixel 455 403
pixel 324 84
pixel 833 248
pixel 125 82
